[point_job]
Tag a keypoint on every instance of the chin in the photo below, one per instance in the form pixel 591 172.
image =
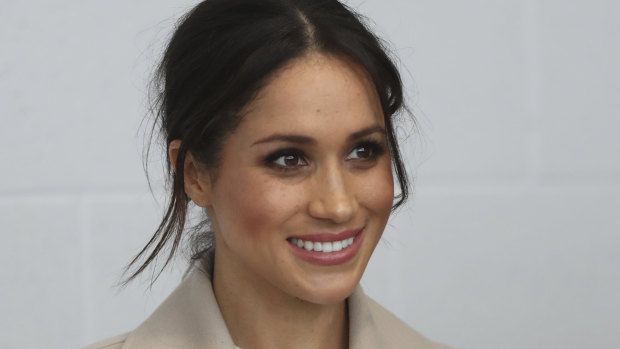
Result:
pixel 329 290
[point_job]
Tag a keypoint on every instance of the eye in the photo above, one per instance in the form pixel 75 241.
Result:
pixel 286 160
pixel 290 160
pixel 369 150
pixel 361 152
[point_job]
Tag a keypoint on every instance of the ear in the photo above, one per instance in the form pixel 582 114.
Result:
pixel 196 179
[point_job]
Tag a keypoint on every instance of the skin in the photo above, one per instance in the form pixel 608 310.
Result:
pixel 269 297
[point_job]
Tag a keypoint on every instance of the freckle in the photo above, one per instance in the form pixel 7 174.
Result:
pixel 318 110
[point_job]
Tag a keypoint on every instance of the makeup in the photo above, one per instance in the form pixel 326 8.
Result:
pixel 327 248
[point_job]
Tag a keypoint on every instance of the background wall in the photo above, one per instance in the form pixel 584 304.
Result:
pixel 512 239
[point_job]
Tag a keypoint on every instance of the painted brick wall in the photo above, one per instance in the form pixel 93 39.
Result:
pixel 511 240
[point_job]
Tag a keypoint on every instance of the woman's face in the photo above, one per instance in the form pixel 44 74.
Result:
pixel 308 166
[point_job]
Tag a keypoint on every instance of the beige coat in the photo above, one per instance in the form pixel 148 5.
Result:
pixel 191 319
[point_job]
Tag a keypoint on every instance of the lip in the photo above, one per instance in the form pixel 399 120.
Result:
pixel 329 237
pixel 330 258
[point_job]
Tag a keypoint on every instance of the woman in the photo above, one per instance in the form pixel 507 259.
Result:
pixel 277 116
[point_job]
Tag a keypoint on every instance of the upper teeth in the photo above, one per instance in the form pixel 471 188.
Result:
pixel 323 246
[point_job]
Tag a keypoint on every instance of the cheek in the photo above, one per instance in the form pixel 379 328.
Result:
pixel 256 205
pixel 377 190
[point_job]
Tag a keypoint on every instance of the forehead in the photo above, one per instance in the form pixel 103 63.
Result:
pixel 315 95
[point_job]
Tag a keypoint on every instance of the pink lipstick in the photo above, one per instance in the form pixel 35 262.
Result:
pixel 327 248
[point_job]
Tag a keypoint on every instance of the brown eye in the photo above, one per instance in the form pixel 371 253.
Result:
pixel 289 160
pixel 361 152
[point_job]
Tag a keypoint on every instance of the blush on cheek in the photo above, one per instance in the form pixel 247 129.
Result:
pixel 384 199
pixel 379 190
pixel 260 205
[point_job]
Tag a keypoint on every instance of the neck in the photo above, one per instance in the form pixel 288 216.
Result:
pixel 259 315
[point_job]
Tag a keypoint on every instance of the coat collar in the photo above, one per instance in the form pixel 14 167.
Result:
pixel 191 319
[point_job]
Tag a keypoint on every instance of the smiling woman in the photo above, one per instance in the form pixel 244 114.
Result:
pixel 278 117
pixel 322 180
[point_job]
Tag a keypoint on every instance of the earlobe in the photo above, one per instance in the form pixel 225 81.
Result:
pixel 196 180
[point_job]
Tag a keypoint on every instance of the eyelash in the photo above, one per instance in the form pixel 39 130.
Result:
pixel 376 150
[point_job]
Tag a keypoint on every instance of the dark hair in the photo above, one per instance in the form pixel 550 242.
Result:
pixel 219 57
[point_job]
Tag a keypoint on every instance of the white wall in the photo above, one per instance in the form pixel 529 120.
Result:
pixel 511 240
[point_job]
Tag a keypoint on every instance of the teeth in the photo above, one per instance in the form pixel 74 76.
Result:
pixel 325 247
pixel 337 246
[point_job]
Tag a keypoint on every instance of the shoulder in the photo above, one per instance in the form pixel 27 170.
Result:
pixel 116 342
pixel 395 331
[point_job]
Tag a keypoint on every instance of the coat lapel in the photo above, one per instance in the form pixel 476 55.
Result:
pixel 189 318
pixel 361 323
pixel 371 326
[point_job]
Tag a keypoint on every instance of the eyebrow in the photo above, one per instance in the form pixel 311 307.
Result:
pixel 301 139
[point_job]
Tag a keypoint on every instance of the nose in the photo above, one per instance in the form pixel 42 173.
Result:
pixel 331 197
